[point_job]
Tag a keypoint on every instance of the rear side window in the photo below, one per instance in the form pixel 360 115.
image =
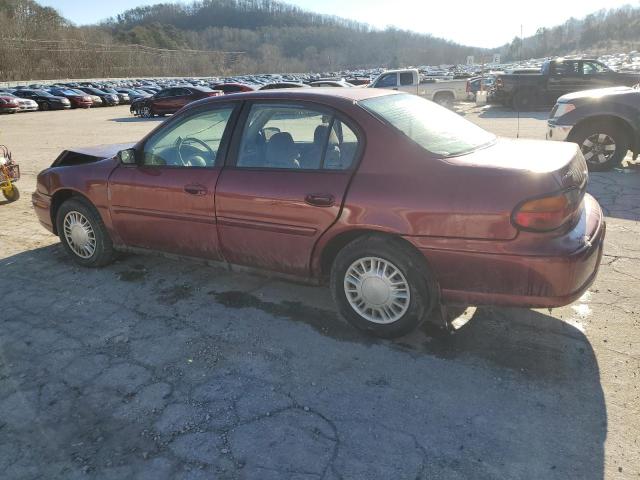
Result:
pixel 296 138
pixel 406 78
pixel 434 128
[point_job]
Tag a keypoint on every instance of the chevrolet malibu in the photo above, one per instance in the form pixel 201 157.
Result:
pixel 402 207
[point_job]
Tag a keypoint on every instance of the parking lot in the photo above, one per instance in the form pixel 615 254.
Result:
pixel 158 368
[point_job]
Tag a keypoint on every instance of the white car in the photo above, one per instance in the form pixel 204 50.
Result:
pixel 443 92
pixel 27 105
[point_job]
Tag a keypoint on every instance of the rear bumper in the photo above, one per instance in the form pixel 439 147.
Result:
pixel 42 206
pixel 537 272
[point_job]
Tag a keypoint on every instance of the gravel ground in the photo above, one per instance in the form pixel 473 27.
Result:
pixel 158 368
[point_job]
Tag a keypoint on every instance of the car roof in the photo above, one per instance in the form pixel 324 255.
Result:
pixel 318 94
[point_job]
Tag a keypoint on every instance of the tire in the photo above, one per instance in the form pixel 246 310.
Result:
pixel 524 101
pixel 146 112
pixel 603 144
pixel 369 253
pixel 45 106
pixel 11 195
pixel 102 252
pixel 444 99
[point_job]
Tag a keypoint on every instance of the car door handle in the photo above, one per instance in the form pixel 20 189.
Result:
pixel 195 189
pixel 320 200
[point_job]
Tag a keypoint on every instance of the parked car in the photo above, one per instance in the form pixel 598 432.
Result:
pixel 44 99
pixel 331 83
pixel 76 98
pixel 25 104
pixel 555 79
pixel 605 123
pixel 228 88
pixel 280 85
pixel 474 86
pixel 107 99
pixel 133 93
pixel 9 104
pixel 442 92
pixel 170 100
pixel 123 97
pixel 401 206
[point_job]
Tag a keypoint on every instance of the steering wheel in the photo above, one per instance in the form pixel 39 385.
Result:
pixel 181 142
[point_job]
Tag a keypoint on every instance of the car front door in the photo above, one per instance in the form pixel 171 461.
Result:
pixel 291 165
pixel 166 200
pixel 162 101
pixel 597 76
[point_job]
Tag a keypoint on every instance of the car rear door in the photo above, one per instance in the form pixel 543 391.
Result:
pixel 290 167
pixel 566 77
pixel 166 201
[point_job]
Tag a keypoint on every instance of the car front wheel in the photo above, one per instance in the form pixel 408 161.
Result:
pixel 603 145
pixel 83 234
pixel 381 286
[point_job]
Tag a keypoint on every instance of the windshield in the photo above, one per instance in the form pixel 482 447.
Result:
pixel 43 93
pixel 434 128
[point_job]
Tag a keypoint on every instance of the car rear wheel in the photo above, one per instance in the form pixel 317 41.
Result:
pixel 603 145
pixel 83 234
pixel 45 106
pixel 382 287
pixel 146 112
pixel 444 99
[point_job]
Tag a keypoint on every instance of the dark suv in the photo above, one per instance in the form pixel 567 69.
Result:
pixel 170 100
pixel 604 122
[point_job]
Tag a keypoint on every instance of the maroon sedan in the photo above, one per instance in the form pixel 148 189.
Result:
pixel 400 205
pixel 170 100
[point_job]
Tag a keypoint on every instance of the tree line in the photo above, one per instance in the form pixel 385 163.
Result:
pixel 605 31
pixel 264 36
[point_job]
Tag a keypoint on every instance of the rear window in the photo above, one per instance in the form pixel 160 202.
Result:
pixel 434 128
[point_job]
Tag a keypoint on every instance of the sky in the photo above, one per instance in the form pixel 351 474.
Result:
pixel 463 21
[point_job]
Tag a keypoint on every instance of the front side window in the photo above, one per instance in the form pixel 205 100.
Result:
pixel 295 137
pixel 590 68
pixel 434 128
pixel 192 142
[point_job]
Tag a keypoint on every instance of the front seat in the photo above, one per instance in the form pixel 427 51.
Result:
pixel 281 151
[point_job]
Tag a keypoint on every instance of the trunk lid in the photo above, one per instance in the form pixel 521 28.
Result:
pixel 511 172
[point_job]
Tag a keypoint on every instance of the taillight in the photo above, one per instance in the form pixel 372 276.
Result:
pixel 548 213
pixel 468 87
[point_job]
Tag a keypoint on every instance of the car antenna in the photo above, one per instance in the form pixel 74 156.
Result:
pixel 519 78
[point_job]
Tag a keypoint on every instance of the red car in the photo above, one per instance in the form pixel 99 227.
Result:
pixel 9 104
pixel 400 205
pixel 228 88
pixel 170 100
pixel 77 98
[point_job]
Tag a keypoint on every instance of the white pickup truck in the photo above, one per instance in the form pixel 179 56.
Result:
pixel 443 92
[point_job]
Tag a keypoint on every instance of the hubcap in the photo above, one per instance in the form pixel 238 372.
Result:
pixel 598 148
pixel 377 290
pixel 79 234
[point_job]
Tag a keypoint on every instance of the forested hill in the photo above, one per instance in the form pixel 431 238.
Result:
pixel 267 36
pixel 605 31
pixel 280 37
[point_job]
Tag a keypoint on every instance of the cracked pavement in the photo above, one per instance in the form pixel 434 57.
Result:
pixel 157 368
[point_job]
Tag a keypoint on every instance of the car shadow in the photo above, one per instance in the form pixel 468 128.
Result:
pixel 512 394
pixel 495 111
pixel 137 119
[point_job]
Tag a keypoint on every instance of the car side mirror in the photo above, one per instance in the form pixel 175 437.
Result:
pixel 128 156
